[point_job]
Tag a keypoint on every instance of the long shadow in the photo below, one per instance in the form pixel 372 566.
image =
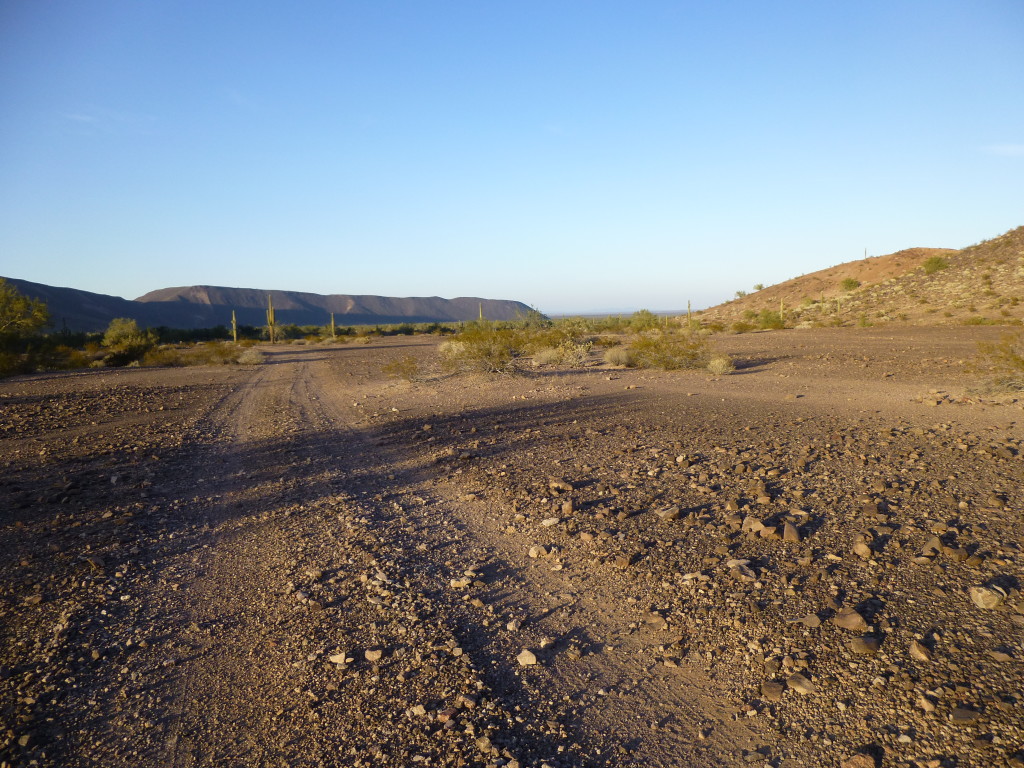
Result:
pixel 155 518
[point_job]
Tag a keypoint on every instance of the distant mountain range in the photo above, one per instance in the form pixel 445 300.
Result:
pixel 205 306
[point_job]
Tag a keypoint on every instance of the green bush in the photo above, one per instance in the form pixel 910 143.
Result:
pixel 670 351
pixel 18 313
pixel 741 327
pixel 485 348
pixel 644 320
pixel 208 353
pixel 770 319
pixel 126 342
pixel 250 357
pixel 619 356
pixel 1006 358
pixel 849 284
pixel 721 365
pixel 934 264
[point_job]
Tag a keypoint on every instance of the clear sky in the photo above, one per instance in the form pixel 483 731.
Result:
pixel 576 155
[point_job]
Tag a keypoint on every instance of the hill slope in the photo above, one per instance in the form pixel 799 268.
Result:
pixel 204 306
pixel 981 284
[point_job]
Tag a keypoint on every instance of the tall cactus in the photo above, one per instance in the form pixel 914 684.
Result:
pixel 234 327
pixel 334 333
pixel 271 323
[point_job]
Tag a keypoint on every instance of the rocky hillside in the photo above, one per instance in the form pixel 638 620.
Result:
pixel 982 284
pixel 204 306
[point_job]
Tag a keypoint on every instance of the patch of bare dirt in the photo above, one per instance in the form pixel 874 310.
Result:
pixel 310 563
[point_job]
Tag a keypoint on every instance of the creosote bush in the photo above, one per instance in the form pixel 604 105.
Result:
pixel 670 351
pixel 567 353
pixel 934 264
pixel 547 356
pixel 720 365
pixel 849 284
pixel 770 320
pixel 1006 359
pixel 484 348
pixel 250 357
pixel 205 353
pixel 619 356
pixel 126 342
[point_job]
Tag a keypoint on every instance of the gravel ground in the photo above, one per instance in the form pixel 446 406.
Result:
pixel 813 561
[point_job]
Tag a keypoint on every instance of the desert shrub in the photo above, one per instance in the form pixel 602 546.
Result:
pixel 406 368
pixel 721 365
pixel 619 356
pixel 759 286
pixel 123 332
pixel 741 327
pixel 749 314
pixel 19 314
pixel 607 341
pixel 644 320
pixel 715 326
pixel 770 319
pixel 163 357
pixel 575 355
pixel 849 284
pixel 209 353
pixel 485 348
pixel 126 342
pixel 214 353
pixel 555 337
pixel 670 351
pixel 934 264
pixel 64 358
pixel 250 357
pixel 740 294
pixel 13 363
pixel 547 356
pixel 1005 358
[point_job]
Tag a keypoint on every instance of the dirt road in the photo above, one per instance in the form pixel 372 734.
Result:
pixel 309 564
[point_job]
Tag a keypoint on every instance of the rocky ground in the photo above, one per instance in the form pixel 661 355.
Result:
pixel 813 561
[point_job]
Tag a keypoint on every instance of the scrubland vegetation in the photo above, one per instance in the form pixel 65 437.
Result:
pixel 1006 359
pixel 643 340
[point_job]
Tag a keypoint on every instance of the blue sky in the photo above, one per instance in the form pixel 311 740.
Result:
pixel 578 156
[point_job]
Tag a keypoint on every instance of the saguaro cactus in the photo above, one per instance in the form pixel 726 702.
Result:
pixel 234 327
pixel 334 333
pixel 271 323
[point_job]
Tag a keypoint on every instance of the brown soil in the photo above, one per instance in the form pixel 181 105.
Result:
pixel 307 563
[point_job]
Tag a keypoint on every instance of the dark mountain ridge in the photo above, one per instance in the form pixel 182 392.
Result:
pixel 205 306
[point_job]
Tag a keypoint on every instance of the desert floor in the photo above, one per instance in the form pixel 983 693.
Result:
pixel 816 560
